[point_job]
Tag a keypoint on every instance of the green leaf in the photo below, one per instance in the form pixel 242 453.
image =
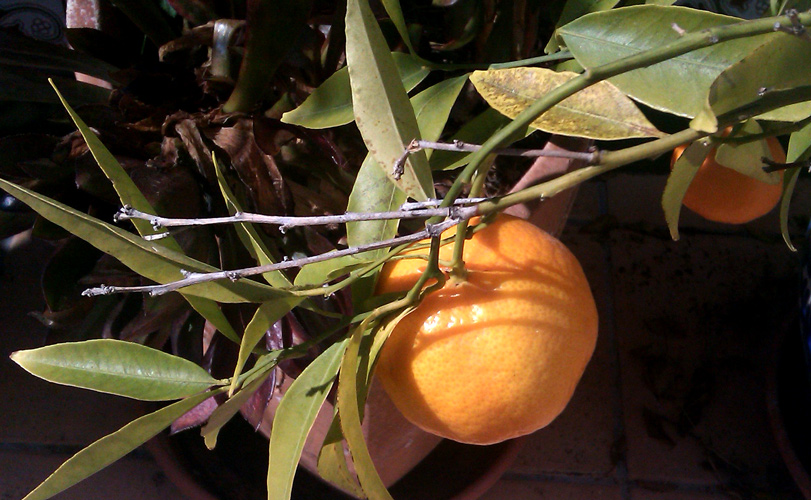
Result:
pixel 110 448
pixel 348 403
pixel 129 194
pixel 799 144
pixel 574 9
pixel 684 169
pixel 127 191
pixel 328 270
pixel 678 85
pixel 265 316
pixel 383 112
pixel 295 416
pixel 395 13
pixel 475 131
pixel 789 183
pixel 332 465
pixel 274 29
pixel 116 367
pixel 147 258
pixel 432 106
pixel 227 410
pixel 746 158
pixel 787 61
pixel 330 105
pixel 248 233
pixel 597 112
pixel 799 149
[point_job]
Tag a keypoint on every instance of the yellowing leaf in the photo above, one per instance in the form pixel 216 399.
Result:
pixel 598 112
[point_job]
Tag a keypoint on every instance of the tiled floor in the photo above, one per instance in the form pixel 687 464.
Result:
pixel 673 405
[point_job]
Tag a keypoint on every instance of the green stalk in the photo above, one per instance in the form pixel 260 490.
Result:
pixel 591 76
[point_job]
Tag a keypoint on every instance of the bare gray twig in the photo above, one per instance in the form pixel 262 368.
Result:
pixel 192 278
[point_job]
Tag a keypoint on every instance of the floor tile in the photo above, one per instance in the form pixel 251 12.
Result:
pixel 693 324
pixel 128 479
pixel 515 489
pixel 35 410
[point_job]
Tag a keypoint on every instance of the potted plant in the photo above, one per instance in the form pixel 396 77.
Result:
pixel 282 225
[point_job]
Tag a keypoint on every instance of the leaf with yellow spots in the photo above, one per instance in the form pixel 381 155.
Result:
pixel 598 112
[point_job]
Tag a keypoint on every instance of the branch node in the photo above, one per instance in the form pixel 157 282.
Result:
pixel 434 230
pixel 283 228
pixel 232 275
pixel 124 213
pixel 156 225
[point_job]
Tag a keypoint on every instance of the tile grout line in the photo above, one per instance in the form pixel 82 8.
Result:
pixel 619 448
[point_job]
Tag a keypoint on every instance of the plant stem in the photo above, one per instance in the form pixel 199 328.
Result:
pixel 591 76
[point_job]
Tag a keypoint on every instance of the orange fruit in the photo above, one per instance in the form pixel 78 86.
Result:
pixel 497 355
pixel 722 194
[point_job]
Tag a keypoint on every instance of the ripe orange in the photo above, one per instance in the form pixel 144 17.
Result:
pixel 498 355
pixel 722 194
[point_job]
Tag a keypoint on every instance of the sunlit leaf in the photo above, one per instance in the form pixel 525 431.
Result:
pixel 295 416
pixel 746 158
pixel 684 170
pixel 116 367
pixel 383 112
pixel 227 411
pixel 330 105
pixel 332 465
pixel 678 85
pixel 110 448
pixel 265 316
pixel 789 65
pixel 147 258
pixel 432 106
pixel 130 195
pixel 574 9
pixel 597 112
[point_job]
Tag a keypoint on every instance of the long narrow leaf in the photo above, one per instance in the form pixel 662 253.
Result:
pixel 295 416
pixel 129 194
pixel 116 367
pixel 110 448
pixel 679 180
pixel 330 105
pixel 383 113
pixel 348 408
pixel 267 314
pixel 228 410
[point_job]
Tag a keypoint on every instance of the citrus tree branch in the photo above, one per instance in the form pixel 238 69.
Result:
pixel 687 43
pixel 192 278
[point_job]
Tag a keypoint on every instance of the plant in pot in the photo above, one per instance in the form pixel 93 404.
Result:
pixel 286 232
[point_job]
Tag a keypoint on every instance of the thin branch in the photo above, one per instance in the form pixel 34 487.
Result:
pixel 192 278
pixel 591 157
pixel 415 210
